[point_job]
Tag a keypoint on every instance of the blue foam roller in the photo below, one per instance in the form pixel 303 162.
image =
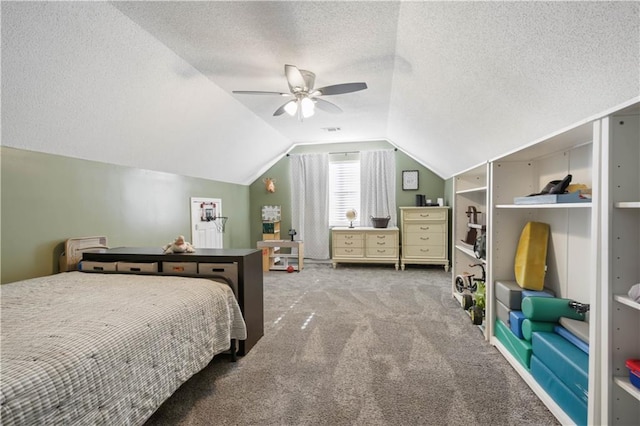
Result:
pixel 537 293
pixel 569 363
pixel 515 323
pixel 576 408
pixel 571 338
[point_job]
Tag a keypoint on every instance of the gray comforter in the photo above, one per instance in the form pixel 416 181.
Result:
pixel 82 348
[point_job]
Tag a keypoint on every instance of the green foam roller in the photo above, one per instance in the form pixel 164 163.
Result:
pixel 528 327
pixel 548 309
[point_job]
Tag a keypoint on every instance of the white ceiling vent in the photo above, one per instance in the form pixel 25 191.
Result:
pixel 331 129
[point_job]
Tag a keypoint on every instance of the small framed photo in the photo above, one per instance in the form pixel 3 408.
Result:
pixel 409 180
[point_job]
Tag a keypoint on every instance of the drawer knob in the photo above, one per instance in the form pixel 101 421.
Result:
pixel 381 243
pixel 349 242
pixel 424 228
pixel 424 238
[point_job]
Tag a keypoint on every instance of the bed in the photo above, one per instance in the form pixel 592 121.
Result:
pixel 87 348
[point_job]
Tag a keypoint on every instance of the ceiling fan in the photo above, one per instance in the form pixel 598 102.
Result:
pixel 304 97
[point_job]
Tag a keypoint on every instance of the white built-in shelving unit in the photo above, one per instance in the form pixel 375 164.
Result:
pixel 470 189
pixel 594 248
pixel 620 258
pixel 573 230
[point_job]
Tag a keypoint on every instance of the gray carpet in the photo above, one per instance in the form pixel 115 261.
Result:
pixel 359 345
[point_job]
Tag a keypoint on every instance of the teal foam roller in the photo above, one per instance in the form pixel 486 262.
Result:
pixel 548 309
pixel 529 327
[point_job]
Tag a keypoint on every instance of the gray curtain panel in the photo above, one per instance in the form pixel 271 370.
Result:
pixel 378 186
pixel 310 202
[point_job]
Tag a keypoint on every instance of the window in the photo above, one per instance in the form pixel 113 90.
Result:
pixel 344 188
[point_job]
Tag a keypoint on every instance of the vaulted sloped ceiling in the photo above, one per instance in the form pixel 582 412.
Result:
pixel 453 84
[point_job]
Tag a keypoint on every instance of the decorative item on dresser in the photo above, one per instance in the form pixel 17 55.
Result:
pixel 425 236
pixel 365 245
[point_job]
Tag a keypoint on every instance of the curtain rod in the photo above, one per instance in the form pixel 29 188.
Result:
pixel 346 152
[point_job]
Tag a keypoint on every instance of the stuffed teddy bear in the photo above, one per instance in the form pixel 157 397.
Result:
pixel 179 246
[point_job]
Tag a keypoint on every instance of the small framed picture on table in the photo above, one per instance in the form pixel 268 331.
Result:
pixel 409 180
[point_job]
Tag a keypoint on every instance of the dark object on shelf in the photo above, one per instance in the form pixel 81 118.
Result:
pixel 380 222
pixel 573 197
pixel 292 233
pixel 420 200
pixel 473 225
pixel 267 227
pixel 580 308
pixel 555 187
pixel 480 246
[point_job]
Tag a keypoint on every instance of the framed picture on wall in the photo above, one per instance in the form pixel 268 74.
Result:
pixel 409 180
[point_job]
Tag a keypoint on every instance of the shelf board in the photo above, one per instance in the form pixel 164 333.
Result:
pixel 470 190
pixel 626 300
pixel 627 205
pixel 545 206
pixel 625 384
pixel 469 252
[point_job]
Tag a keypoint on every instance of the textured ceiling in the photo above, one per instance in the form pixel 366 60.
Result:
pixel 451 83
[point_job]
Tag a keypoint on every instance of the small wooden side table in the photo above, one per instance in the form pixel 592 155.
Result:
pixel 273 260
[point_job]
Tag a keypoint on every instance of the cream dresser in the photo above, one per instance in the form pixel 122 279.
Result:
pixel 425 233
pixel 365 245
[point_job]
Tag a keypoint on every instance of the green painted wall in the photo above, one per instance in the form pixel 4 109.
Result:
pixel 48 198
pixel 430 184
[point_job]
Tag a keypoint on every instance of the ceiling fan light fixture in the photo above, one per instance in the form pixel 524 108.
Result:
pixel 308 107
pixel 305 97
pixel 291 107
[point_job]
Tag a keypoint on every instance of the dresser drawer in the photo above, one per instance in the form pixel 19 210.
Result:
pixel 341 239
pixel 424 238
pixel 391 252
pixel 227 270
pixel 416 215
pixel 425 251
pixel 348 251
pixel 137 267
pixel 87 265
pixel 419 228
pixel 180 267
pixel 381 240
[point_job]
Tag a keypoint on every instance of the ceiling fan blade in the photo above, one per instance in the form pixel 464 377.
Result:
pixel 327 106
pixel 255 92
pixel 295 78
pixel 339 89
